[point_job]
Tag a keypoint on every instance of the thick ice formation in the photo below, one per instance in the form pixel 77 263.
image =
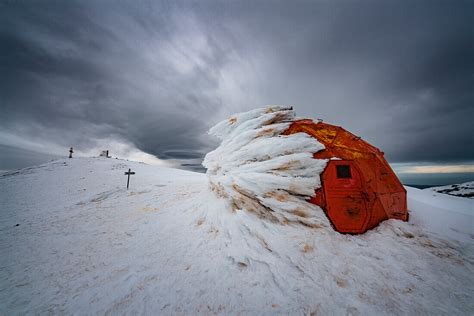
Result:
pixel 259 170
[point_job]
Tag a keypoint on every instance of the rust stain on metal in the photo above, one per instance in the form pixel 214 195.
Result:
pixel 359 199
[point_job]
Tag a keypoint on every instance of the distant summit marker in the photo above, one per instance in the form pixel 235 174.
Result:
pixel 104 153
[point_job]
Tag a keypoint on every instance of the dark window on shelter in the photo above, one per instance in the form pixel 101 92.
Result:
pixel 343 172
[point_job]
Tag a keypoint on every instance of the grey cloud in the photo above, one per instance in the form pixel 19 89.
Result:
pixel 158 75
pixel 399 75
pixel 95 83
pixel 16 158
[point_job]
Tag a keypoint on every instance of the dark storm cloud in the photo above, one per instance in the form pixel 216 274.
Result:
pixel 158 75
pixel 398 75
pixel 71 76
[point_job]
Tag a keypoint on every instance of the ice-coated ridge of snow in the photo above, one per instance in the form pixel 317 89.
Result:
pixel 258 169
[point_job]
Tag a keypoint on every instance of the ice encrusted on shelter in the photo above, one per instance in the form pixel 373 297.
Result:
pixel 258 169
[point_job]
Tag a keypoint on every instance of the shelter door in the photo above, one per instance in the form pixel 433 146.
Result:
pixel 346 204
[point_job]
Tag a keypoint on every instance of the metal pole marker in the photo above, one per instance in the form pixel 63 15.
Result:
pixel 128 173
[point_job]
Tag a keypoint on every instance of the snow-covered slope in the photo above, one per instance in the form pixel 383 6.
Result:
pixel 73 240
pixel 463 190
pixel 447 216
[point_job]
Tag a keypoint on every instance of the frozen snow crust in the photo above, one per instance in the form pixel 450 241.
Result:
pixel 74 241
pixel 257 169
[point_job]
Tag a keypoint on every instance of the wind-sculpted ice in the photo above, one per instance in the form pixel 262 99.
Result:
pixel 258 169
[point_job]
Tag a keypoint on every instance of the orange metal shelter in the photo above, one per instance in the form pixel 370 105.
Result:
pixel 359 189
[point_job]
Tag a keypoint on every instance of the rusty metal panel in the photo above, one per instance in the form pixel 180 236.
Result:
pixel 373 195
pixel 346 204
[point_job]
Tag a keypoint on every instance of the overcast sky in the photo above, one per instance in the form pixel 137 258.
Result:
pixel 147 79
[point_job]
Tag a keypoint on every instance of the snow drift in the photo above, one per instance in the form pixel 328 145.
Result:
pixel 259 170
pixel 74 240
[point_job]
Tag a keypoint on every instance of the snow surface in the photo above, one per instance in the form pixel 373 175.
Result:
pixel 465 189
pixel 74 241
pixel 257 169
pixel 448 216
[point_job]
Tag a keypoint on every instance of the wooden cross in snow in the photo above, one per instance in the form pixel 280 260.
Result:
pixel 128 173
